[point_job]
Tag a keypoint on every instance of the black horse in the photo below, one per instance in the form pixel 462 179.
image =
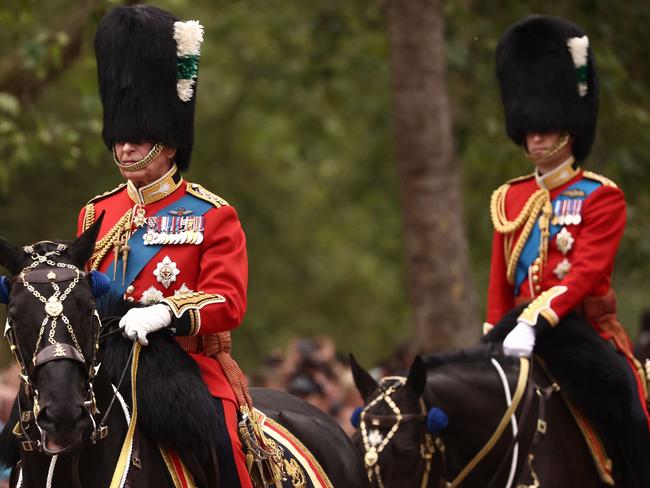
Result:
pixel 448 421
pixel 70 428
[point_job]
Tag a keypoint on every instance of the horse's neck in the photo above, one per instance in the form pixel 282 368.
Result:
pixel 474 400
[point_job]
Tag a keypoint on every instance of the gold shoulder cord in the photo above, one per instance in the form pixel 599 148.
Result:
pixel 538 203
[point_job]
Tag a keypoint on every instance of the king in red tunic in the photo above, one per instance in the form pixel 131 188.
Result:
pixel 168 244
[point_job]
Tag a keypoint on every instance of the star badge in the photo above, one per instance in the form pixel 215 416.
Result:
pixel 151 296
pixel 564 241
pixel 182 290
pixel 166 272
pixel 562 268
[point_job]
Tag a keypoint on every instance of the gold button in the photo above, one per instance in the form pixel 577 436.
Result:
pixel 538 260
pixel 538 288
pixel 130 289
pixel 535 278
pixel 130 299
pixel 535 268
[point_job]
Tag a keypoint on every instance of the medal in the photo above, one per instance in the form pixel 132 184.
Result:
pixel 564 241
pixel 166 272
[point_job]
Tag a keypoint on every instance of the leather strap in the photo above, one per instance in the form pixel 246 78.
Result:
pixel 58 351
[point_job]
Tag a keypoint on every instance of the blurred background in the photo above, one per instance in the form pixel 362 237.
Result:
pixel 359 142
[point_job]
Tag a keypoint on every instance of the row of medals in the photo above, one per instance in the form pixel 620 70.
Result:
pixel 169 230
pixel 567 212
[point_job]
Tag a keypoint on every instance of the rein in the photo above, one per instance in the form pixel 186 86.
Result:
pixel 524 367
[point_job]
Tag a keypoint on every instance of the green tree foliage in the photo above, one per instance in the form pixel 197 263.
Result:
pixel 293 128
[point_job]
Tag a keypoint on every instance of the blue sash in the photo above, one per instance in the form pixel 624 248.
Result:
pixel 139 254
pixel 531 249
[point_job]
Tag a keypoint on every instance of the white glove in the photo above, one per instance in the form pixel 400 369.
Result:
pixel 520 341
pixel 138 322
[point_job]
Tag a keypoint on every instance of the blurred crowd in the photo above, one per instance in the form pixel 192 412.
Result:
pixel 311 369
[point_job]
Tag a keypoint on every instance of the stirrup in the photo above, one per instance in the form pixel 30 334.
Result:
pixel 263 460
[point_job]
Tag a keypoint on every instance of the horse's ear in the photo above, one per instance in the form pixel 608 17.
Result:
pixel 417 378
pixel 82 248
pixel 366 384
pixel 11 256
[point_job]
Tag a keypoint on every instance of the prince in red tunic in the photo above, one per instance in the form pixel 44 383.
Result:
pixel 168 244
pixel 557 230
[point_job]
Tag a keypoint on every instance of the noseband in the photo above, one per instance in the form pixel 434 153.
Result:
pixel 55 273
pixel 374 443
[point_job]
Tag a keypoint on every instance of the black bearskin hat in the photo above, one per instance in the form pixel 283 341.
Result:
pixel 548 81
pixel 147 77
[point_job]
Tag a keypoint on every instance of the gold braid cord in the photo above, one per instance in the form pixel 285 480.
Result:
pixel 538 205
pixel 115 236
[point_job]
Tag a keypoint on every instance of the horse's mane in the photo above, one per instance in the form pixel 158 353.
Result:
pixel 175 408
pixel 471 355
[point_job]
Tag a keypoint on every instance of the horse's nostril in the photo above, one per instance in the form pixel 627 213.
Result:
pixel 44 417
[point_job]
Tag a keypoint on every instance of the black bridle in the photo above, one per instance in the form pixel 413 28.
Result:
pixel 44 269
pixel 374 443
pixel 430 445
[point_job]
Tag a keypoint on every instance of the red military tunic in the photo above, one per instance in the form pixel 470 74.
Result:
pixel 586 247
pixel 554 245
pixel 204 283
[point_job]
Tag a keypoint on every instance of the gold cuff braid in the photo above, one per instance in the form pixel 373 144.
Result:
pixel 542 306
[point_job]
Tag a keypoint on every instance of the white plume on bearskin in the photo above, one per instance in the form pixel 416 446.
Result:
pixel 189 37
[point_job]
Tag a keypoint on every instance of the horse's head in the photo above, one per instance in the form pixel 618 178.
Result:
pixel 397 434
pixel 53 330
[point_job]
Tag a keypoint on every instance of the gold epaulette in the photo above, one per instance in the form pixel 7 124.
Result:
pixel 89 209
pixel 520 178
pixel 599 178
pixel 200 192
pixel 89 216
pixel 106 193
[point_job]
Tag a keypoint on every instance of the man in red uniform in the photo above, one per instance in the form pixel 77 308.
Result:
pixel 557 230
pixel 166 243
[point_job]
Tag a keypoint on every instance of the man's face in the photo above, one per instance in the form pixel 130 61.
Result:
pixel 131 152
pixel 537 143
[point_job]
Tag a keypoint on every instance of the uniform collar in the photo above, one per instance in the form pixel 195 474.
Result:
pixel 558 176
pixel 159 189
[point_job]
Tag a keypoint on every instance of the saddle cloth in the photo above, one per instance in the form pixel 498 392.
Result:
pixel 180 475
pixel 298 466
pixel 594 443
